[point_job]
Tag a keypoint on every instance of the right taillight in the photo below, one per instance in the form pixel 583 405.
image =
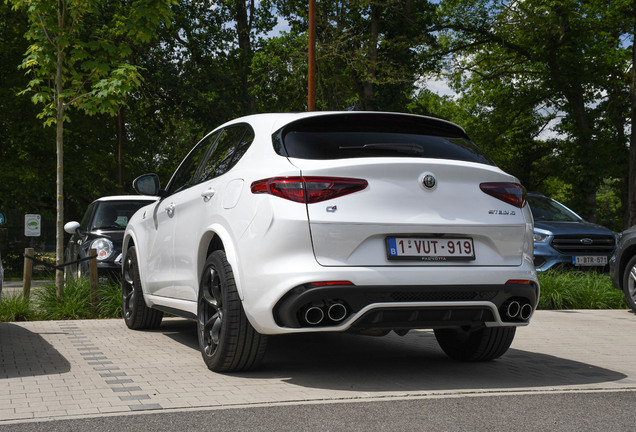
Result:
pixel 511 193
pixel 308 189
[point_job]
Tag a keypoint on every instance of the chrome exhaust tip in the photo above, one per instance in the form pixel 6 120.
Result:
pixel 513 309
pixel 525 312
pixel 314 315
pixel 337 312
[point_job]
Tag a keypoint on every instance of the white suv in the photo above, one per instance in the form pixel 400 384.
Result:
pixel 361 222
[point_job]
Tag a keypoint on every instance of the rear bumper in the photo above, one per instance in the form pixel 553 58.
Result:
pixel 406 307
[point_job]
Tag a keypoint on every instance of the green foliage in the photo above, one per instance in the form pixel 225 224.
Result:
pixel 524 63
pixel 578 290
pixel 86 44
pixel 367 51
pixel 75 302
pixel 16 308
pixel 110 300
pixel 609 206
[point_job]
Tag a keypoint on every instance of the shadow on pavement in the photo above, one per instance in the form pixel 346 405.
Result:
pixel 24 354
pixel 413 362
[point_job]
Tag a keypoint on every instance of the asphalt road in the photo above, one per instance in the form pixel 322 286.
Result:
pixel 571 411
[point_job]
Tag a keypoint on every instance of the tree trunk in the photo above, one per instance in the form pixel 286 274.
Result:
pixel 120 149
pixel 243 28
pixel 372 51
pixel 59 141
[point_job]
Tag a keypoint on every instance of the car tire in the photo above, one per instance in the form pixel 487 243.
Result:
pixel 137 315
pixel 629 283
pixel 227 340
pixel 485 344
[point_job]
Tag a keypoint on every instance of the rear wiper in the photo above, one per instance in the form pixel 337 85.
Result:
pixel 410 149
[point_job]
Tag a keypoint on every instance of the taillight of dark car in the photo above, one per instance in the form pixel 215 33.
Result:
pixel 511 193
pixel 308 189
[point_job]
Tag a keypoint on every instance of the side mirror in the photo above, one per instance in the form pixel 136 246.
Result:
pixel 71 227
pixel 2 218
pixel 147 184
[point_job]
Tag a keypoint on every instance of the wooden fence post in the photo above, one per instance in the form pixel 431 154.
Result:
pixel 28 272
pixel 92 267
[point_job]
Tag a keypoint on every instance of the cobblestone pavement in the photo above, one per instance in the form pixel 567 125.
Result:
pixel 71 369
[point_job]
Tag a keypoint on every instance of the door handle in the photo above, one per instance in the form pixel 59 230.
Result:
pixel 208 194
pixel 170 209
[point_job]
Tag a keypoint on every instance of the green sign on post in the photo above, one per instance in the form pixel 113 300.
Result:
pixel 32 225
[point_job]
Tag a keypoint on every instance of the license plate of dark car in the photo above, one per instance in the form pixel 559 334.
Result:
pixel 430 249
pixel 589 260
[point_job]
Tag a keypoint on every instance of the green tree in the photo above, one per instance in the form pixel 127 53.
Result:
pixel 77 58
pixel 369 52
pixel 563 54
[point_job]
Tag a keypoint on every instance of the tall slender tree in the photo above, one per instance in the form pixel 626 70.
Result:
pixel 77 58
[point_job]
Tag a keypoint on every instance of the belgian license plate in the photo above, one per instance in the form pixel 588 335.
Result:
pixel 430 249
pixel 589 260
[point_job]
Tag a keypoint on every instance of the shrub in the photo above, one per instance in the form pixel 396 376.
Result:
pixel 578 290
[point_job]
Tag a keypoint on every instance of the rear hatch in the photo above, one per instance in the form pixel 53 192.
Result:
pixel 422 205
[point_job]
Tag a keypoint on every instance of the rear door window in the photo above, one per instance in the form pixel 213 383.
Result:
pixel 186 174
pixel 230 148
pixel 376 135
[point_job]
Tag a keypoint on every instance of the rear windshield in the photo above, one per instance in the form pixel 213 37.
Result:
pixel 115 215
pixel 375 135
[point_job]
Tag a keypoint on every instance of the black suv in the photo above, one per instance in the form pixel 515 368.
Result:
pixel 102 228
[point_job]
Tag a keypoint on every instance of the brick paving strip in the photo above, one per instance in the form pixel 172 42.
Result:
pixel 112 375
pixel 72 369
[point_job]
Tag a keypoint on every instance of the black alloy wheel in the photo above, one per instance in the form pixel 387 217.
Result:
pixel 227 340
pixel 137 315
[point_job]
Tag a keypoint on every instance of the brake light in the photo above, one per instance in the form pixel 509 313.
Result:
pixel 518 282
pixel 308 189
pixel 330 283
pixel 511 193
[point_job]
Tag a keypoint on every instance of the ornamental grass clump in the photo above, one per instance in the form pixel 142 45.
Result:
pixel 75 302
pixel 578 290
pixel 16 308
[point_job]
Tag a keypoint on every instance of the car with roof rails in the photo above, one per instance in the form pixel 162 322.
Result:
pixel 359 222
pixel 564 239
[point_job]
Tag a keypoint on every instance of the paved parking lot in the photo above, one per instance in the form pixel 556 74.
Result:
pixel 69 369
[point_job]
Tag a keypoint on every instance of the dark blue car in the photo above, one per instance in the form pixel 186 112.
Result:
pixel 563 238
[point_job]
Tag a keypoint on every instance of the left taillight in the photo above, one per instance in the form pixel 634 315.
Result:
pixel 511 193
pixel 308 189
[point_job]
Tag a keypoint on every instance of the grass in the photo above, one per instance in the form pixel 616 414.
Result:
pixel 74 304
pixel 578 290
pixel 559 290
pixel 16 308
